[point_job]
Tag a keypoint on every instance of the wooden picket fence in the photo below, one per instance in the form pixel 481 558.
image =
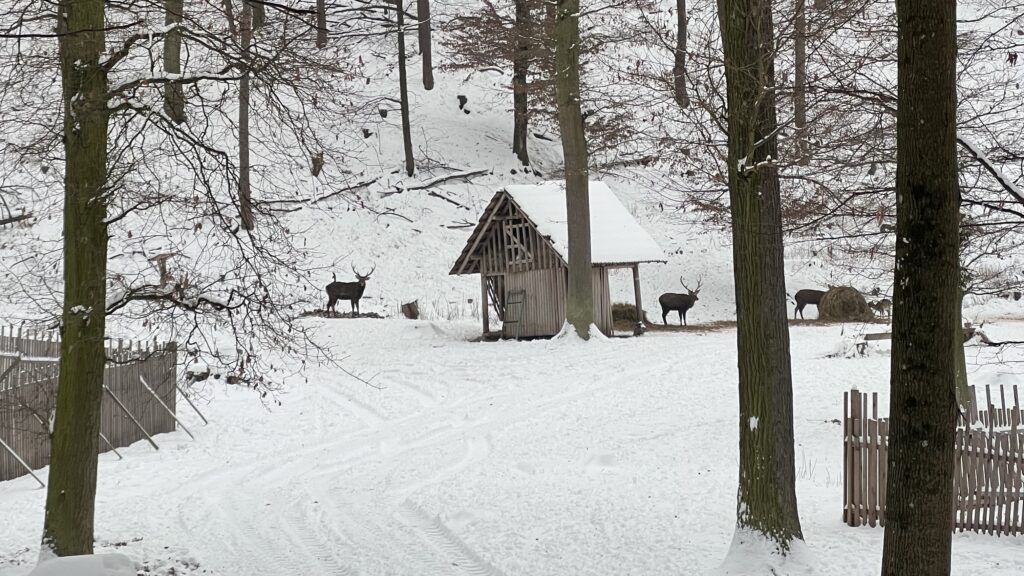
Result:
pixel 29 372
pixel 988 456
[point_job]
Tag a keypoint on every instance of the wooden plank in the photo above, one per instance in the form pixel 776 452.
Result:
pixel 1005 483
pixel 872 483
pixel 847 455
pixel 484 313
pixel 971 473
pixel 883 472
pixel 856 469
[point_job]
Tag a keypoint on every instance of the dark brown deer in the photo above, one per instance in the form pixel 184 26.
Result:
pixel 805 297
pixel 678 302
pixel 351 291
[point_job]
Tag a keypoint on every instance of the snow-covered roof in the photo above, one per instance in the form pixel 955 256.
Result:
pixel 615 236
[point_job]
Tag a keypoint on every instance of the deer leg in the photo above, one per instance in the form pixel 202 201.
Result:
pixel 680 317
pixel 684 318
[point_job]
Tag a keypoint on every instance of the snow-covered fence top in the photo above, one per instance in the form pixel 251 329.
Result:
pixel 29 371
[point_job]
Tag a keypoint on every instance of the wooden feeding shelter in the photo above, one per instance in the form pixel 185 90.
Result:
pixel 520 248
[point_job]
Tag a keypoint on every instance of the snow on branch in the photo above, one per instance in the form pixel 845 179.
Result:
pixel 1003 180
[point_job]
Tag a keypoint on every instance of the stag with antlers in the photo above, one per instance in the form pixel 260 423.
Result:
pixel 351 291
pixel 679 302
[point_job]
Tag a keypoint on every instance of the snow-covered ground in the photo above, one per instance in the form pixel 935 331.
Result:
pixel 518 458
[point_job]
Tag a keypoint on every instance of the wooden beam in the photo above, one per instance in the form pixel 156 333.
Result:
pixel 483 229
pixel 484 305
pixel 636 295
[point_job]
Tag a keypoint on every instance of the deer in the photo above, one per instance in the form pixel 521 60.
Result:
pixel 351 291
pixel 882 308
pixel 805 297
pixel 679 302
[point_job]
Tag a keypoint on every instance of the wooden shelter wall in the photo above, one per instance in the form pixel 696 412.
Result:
pixel 544 312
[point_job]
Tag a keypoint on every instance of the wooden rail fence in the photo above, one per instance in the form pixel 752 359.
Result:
pixel 988 455
pixel 28 393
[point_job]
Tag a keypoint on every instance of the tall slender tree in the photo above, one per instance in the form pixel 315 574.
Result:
pixel 523 30
pixel 800 80
pixel 174 92
pixel 71 493
pixel 766 503
pixel 679 65
pixel 321 23
pixel 245 29
pixel 426 44
pixel 580 302
pixel 919 505
pixel 403 89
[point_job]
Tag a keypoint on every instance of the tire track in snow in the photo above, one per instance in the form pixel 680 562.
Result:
pixel 453 547
pixel 361 514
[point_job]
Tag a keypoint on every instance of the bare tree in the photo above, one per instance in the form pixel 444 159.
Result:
pixel 766 502
pixel 426 46
pixel 174 94
pixel 679 64
pixel 580 298
pixel 926 319
pixel 71 492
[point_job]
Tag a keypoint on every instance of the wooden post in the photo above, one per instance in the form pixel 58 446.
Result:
pixel 185 396
pixel 639 301
pixel 22 462
pixel 484 305
pixel 111 446
pixel 131 416
pixel 161 402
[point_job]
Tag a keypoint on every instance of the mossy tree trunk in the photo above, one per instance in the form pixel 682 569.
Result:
pixel 926 319
pixel 580 299
pixel 766 502
pixel 71 493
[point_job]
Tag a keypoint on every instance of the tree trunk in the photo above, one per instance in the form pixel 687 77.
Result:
pixel 423 14
pixel 229 15
pixel 766 502
pixel 321 23
pixel 174 93
pixel 520 69
pixel 926 321
pixel 679 69
pixel 963 391
pixel 71 494
pixel 800 83
pixel 580 299
pixel 403 88
pixel 259 14
pixel 244 188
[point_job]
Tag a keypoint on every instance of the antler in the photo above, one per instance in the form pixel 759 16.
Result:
pixel 700 280
pixel 364 276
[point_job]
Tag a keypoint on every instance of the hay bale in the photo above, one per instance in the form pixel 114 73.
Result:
pixel 844 304
pixel 622 312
